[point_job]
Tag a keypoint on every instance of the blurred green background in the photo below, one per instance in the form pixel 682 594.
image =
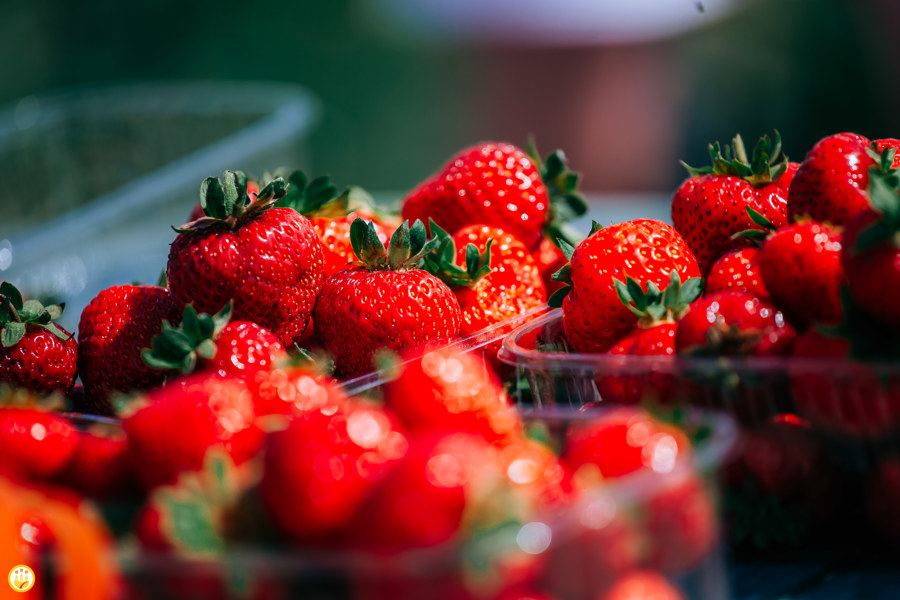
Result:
pixel 396 106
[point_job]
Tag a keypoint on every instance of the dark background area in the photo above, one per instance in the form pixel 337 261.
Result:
pixel 396 106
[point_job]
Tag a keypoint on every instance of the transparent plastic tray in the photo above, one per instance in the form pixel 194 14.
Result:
pixel 95 178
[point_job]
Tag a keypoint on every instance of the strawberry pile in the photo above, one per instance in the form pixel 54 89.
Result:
pixel 772 296
pixel 225 427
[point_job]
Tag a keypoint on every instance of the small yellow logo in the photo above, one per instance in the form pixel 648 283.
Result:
pixel 21 578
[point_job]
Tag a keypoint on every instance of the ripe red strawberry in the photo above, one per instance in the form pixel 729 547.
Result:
pixel 801 268
pixel 35 443
pixel 267 261
pixel 830 185
pixel 332 214
pixel 658 314
pixel 738 271
pixel 870 249
pixel 710 206
pixel 447 390
pixel 620 442
pixel 550 258
pixel 422 499
pixel 214 343
pixel 180 422
pixel 647 250
pixel 117 324
pixel 385 303
pixel 733 323
pixel 100 467
pixel 497 184
pixel 642 585
pixel 291 389
pixel 491 272
pixel 35 353
pixel 320 470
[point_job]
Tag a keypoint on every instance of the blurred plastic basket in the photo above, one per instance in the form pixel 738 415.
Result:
pixel 93 179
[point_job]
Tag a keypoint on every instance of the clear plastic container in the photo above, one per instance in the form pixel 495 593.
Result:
pixel 818 436
pixel 661 522
pixel 94 179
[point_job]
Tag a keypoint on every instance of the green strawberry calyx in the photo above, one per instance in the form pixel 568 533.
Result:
pixel 884 198
pixel 442 263
pixel 566 202
pixel 760 169
pixel 655 306
pixel 226 202
pixel 406 250
pixel 16 314
pixel 183 346
pixel 757 236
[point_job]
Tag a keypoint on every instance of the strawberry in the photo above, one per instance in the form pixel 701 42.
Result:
pixel 733 323
pixel 594 318
pixel 550 258
pixel 843 381
pixel 100 467
pixel 446 390
pixel 642 585
pixel 192 415
pixel 332 215
pixel 286 390
pixel 620 442
pixel 709 207
pixel 325 464
pixel 738 271
pixel 267 261
pixel 35 353
pixel 422 499
pixel 384 303
pixel 491 272
pixel 35 443
pixel 658 314
pixel 498 184
pixel 198 213
pixel 830 185
pixel 801 268
pixel 115 326
pixel 214 343
pixel 870 250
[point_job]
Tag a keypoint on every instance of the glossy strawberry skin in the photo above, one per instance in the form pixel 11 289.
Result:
pixel 709 209
pixel 181 421
pixel 359 312
pixel 801 268
pixel 633 388
pixel 327 462
pixel 645 249
pixel 35 444
pixel 114 328
pixel 830 185
pixel 758 327
pixel 243 347
pixel 492 183
pixel 513 287
pixel 100 468
pixel 737 270
pixel 40 361
pixel 335 237
pixel 444 390
pixel 873 274
pixel 271 267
